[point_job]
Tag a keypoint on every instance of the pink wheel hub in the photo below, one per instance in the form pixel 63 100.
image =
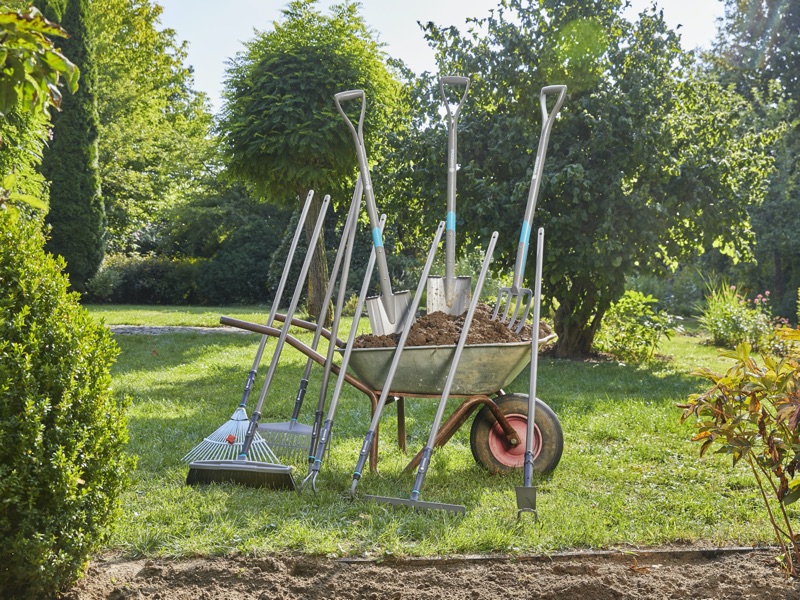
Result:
pixel 504 452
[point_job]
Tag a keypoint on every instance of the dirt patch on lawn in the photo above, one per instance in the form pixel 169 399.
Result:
pixel 440 329
pixel 661 574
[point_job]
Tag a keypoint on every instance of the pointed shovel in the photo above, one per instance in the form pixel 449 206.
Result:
pixel 387 312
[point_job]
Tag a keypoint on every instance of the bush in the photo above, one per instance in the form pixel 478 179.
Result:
pixel 751 413
pixel 146 280
pixel 678 293
pixel 731 319
pixel 631 330
pixel 61 430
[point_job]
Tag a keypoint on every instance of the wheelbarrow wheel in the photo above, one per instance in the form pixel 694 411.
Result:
pixel 491 448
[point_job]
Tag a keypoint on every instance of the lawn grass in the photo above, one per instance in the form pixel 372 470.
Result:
pixel 629 476
pixel 183 316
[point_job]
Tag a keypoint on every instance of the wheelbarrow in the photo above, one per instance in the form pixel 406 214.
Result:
pixel 497 437
pixel 498 430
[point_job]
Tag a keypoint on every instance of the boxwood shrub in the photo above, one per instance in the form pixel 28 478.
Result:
pixel 62 430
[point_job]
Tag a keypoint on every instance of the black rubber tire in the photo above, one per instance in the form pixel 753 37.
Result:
pixel 488 443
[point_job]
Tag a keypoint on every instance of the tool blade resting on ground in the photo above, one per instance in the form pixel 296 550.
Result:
pixel 526 494
pixel 414 501
pixel 243 470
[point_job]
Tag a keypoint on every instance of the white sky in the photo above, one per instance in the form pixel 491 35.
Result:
pixel 215 30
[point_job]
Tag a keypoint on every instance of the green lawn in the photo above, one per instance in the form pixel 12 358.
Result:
pixel 629 475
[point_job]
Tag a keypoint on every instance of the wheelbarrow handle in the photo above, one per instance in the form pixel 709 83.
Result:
pixel 548 119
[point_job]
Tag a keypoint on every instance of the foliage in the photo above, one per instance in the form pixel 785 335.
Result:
pixel 632 330
pixel 29 79
pixel 642 150
pixel 30 65
pixel 731 319
pixel 678 293
pixel 147 279
pixel 752 413
pixel 280 128
pixel 62 431
pixel 155 147
pixel 757 52
pixel 279 124
pixel 69 162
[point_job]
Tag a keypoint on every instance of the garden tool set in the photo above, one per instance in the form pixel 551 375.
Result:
pixel 509 432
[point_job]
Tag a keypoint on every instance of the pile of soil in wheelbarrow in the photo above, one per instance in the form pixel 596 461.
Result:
pixel 442 329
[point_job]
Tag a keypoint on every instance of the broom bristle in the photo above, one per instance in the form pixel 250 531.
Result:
pixel 242 472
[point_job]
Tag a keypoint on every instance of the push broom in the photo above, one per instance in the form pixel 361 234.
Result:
pixel 226 442
pixel 262 472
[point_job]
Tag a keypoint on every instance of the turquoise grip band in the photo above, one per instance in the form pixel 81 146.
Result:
pixel 377 240
pixel 451 220
pixel 525 234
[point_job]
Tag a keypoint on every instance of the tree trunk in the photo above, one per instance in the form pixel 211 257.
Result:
pixel 318 270
pixel 575 329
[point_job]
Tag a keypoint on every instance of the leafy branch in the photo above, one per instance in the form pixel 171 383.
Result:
pixel 753 412
pixel 30 65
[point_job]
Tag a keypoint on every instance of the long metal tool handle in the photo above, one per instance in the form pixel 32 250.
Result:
pixel 251 377
pixel 452 167
pixel 352 217
pixel 372 211
pixel 273 365
pixel 427 452
pixel 362 457
pixel 327 427
pixel 527 473
pixel 350 236
pixel 541 152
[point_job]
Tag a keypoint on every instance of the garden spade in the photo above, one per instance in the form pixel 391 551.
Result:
pixel 388 312
pixel 517 295
pixel 450 294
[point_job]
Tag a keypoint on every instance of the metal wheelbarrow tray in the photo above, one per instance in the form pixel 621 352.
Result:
pixel 483 369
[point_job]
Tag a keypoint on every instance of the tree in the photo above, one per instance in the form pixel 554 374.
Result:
pixel 30 74
pixel 647 163
pixel 70 161
pixel 757 50
pixel 279 125
pixel 155 143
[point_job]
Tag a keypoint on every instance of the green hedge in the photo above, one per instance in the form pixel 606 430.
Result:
pixel 62 431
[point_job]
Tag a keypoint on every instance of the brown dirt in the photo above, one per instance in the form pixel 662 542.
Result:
pixel 441 329
pixel 656 574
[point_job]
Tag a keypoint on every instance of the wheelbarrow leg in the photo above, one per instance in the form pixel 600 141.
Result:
pixel 459 417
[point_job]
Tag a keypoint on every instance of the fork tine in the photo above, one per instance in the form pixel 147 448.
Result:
pixel 528 295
